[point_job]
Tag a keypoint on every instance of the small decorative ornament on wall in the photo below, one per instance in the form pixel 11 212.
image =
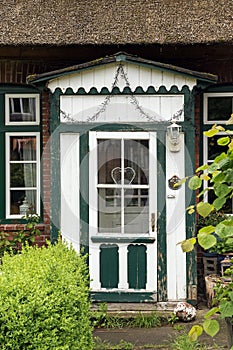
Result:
pixel 173 183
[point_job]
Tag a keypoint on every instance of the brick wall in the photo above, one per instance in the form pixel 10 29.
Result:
pixel 16 71
pixel 45 160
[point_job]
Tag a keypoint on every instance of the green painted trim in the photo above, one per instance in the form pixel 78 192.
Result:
pixel 190 219
pixel 123 297
pixel 102 239
pixel 126 91
pixel 84 184
pixel 55 166
pixel 219 88
pixel 11 89
pixel 17 88
pixel 189 128
pixel 161 205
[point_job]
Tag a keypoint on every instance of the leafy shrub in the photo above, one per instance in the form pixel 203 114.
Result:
pixel 44 300
pixel 13 243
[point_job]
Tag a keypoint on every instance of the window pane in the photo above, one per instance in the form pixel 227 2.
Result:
pixel 219 108
pixel 17 198
pixel 213 148
pixel 109 161
pixel 22 175
pixel 136 213
pixel 22 109
pixel 109 210
pixel 22 148
pixel 136 162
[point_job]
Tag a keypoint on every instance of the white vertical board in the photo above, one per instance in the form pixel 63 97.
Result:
pixel 176 225
pixel 69 146
pixel 137 75
pixel 120 108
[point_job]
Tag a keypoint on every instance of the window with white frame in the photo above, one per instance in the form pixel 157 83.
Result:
pixel 22 173
pixel 218 107
pixel 22 109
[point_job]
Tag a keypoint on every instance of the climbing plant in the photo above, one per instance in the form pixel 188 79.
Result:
pixel 217 176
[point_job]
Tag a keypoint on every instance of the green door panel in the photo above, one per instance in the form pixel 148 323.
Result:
pixel 137 266
pixel 109 265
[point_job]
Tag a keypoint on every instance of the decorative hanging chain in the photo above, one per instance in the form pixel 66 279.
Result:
pixel 102 108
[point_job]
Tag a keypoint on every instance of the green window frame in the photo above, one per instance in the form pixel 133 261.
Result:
pixel 22 174
pixel 20 134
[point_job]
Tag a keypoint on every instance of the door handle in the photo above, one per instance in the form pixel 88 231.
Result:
pixel 153 222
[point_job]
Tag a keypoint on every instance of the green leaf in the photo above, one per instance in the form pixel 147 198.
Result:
pixel 224 231
pixel 188 244
pixel 207 229
pixel 226 308
pixel 228 175
pixel 231 295
pixel 218 203
pixel 218 177
pixel 194 183
pixel 211 312
pixel 224 162
pixel 221 190
pixel 195 332
pixel 204 209
pixel 205 177
pixel 211 327
pixel 213 167
pixel 231 145
pixel 206 240
pixel 202 168
pixel 223 141
pixel 211 132
pixel 220 157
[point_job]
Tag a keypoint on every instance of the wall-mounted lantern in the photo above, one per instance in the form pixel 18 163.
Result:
pixel 173 133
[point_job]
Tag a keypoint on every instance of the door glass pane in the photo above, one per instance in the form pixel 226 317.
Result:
pixel 136 162
pixel 109 161
pixel 109 210
pixel 136 211
pixel 129 215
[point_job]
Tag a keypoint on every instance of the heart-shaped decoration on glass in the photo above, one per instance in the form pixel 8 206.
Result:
pixel 129 175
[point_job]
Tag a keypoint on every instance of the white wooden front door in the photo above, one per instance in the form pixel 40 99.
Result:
pixel 122 211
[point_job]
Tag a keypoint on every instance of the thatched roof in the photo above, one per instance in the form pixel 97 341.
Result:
pixel 67 22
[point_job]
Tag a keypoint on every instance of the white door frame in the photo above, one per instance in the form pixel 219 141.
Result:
pixel 93 210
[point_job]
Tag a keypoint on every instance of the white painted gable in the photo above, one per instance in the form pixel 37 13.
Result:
pixel 121 108
pixel 104 76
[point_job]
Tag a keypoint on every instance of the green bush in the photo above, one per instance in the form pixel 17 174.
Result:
pixel 44 300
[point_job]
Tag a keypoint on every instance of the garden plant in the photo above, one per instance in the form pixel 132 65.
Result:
pixel 219 176
pixel 44 300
